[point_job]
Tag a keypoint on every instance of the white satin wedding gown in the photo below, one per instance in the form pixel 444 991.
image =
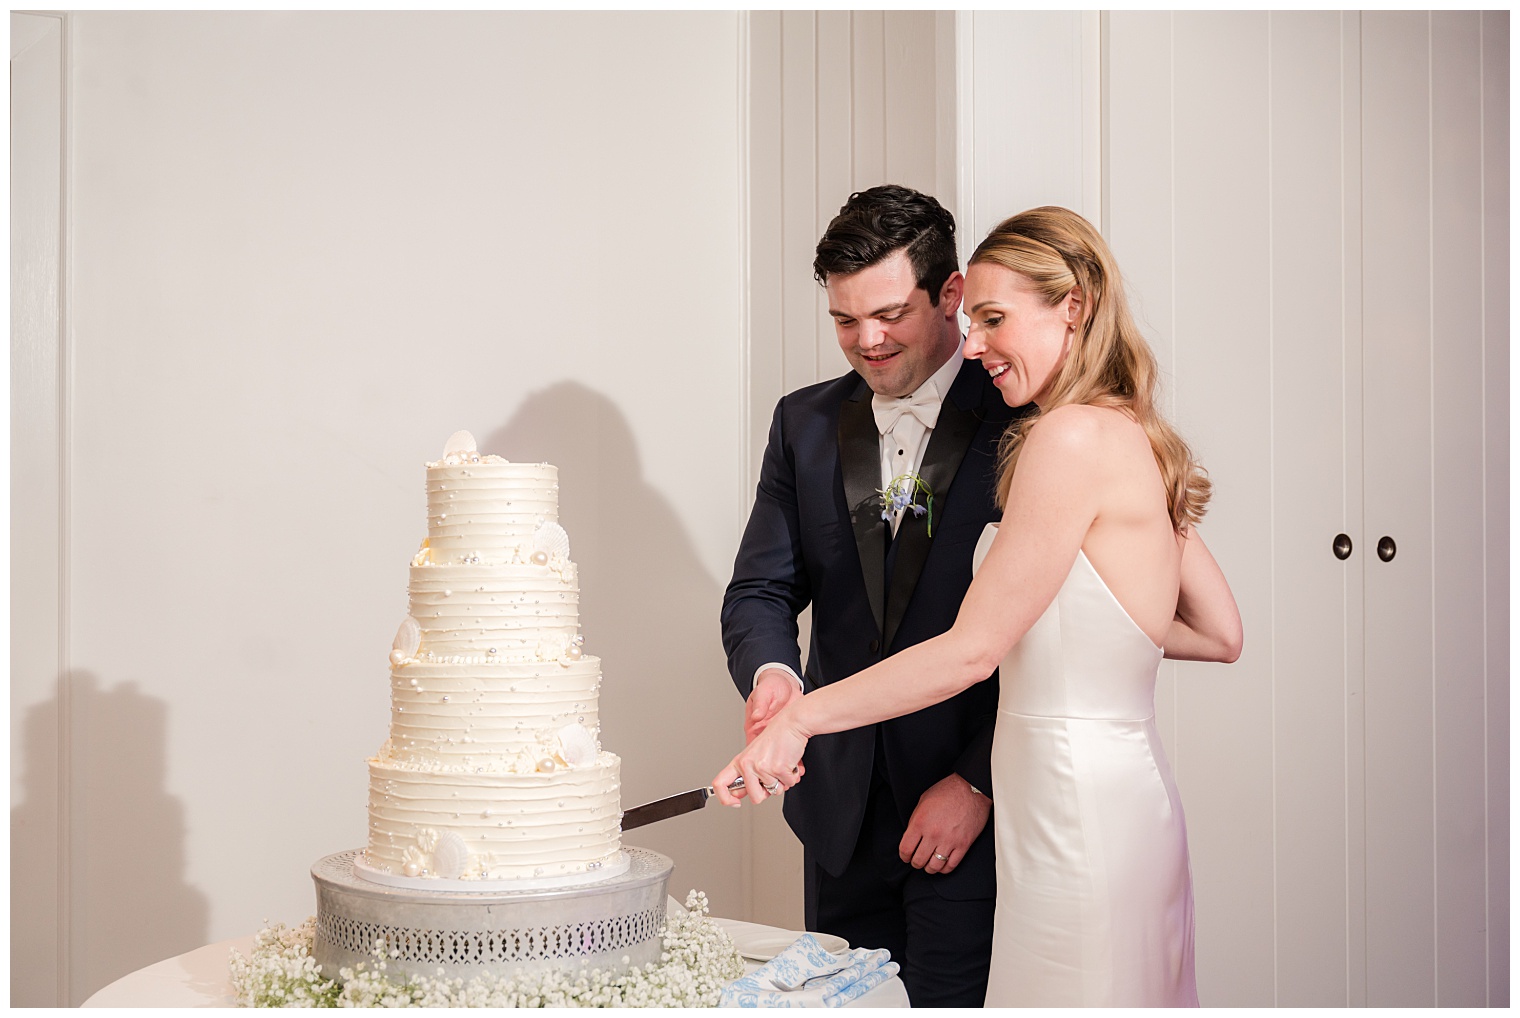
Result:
pixel 1094 892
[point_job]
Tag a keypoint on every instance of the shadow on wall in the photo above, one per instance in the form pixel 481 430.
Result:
pixel 650 610
pixel 131 905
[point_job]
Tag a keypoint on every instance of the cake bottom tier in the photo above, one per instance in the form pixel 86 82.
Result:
pixel 492 826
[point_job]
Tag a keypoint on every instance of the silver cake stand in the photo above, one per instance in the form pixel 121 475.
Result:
pixel 612 924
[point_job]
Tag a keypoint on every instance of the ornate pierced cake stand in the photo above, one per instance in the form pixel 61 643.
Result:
pixel 611 924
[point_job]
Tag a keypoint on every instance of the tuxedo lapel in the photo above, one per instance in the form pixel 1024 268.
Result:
pixel 860 464
pixel 948 443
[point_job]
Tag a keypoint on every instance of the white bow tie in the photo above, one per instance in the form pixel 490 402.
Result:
pixel 923 405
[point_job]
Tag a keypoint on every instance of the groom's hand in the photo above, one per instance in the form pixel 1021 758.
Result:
pixel 774 689
pixel 945 822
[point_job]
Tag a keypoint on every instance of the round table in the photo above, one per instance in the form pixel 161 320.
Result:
pixel 202 978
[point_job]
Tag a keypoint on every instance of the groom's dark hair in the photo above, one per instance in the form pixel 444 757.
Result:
pixel 875 223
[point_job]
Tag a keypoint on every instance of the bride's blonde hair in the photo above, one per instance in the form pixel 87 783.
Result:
pixel 1110 364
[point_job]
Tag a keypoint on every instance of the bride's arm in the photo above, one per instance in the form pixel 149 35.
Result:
pixel 1053 501
pixel 1207 626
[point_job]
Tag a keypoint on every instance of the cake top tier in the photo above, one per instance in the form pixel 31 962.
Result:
pixel 484 509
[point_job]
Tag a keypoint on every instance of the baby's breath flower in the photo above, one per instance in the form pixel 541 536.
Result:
pixel 696 960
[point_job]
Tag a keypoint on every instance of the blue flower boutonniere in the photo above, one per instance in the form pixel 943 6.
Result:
pixel 902 494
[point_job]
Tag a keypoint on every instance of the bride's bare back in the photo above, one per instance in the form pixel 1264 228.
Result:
pixel 1087 480
pixel 1130 541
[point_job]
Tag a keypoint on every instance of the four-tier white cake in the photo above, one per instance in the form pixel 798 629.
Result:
pixel 493 773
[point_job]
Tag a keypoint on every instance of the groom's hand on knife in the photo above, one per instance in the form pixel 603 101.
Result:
pixel 947 819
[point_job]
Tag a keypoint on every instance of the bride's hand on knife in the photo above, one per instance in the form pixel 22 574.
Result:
pixel 769 764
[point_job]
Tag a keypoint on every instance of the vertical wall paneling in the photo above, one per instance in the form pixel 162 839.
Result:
pixel 1349 367
pixel 835 177
pixel 1402 697
pixel 965 132
pixel 762 171
pixel 839 101
pixel 1457 559
pixel 1308 203
pixel 946 110
pixel 1138 203
pixel 1224 356
pixel 1042 149
pixel 1090 80
pixel 1494 57
pixel 868 95
pixel 756 36
pixel 910 54
pixel 799 169
pixel 39 856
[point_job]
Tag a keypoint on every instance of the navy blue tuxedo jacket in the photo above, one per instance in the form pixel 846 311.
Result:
pixel 815 536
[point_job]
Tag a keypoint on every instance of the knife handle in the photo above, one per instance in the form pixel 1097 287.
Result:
pixel 736 785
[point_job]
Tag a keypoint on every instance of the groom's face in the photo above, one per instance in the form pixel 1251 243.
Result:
pixel 890 332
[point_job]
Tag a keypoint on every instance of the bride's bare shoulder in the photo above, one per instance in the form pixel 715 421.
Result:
pixel 1081 430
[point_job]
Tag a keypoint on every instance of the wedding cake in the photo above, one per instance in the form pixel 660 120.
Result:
pixel 493 774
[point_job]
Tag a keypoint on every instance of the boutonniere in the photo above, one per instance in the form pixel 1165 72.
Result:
pixel 902 494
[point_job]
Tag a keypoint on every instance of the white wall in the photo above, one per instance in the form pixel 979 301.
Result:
pixel 304 249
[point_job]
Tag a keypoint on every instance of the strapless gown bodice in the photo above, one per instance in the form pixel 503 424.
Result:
pixel 1095 904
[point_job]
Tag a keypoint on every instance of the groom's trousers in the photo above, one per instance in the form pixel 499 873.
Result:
pixel 944 946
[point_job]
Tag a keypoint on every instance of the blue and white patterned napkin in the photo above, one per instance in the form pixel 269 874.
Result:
pixel 806 975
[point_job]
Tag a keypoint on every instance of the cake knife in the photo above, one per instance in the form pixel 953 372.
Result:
pixel 673 805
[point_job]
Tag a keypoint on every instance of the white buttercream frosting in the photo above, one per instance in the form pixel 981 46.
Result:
pixel 488 511
pixel 492 769
pixel 513 825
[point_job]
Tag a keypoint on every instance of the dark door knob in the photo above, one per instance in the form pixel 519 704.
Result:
pixel 1387 549
pixel 1341 546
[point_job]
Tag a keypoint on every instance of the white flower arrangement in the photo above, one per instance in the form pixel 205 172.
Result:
pixel 697 960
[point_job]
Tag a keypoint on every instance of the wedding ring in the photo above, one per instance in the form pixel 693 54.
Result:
pixel 771 788
pixel 941 858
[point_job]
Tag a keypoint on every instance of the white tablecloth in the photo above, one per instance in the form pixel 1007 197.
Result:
pixel 201 978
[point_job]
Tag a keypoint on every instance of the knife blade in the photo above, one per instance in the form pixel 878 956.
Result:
pixel 672 805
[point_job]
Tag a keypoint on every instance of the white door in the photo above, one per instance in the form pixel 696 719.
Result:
pixel 1425 208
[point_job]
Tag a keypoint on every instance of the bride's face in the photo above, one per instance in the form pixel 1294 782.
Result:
pixel 1020 339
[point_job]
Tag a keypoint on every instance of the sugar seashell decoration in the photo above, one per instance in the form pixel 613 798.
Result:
pixel 450 855
pixel 408 639
pixel 461 446
pixel 577 747
pixel 551 539
pixel 424 554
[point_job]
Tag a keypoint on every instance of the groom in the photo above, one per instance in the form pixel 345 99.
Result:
pixel 893 818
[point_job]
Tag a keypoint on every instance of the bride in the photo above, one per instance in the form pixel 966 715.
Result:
pixel 1095 572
